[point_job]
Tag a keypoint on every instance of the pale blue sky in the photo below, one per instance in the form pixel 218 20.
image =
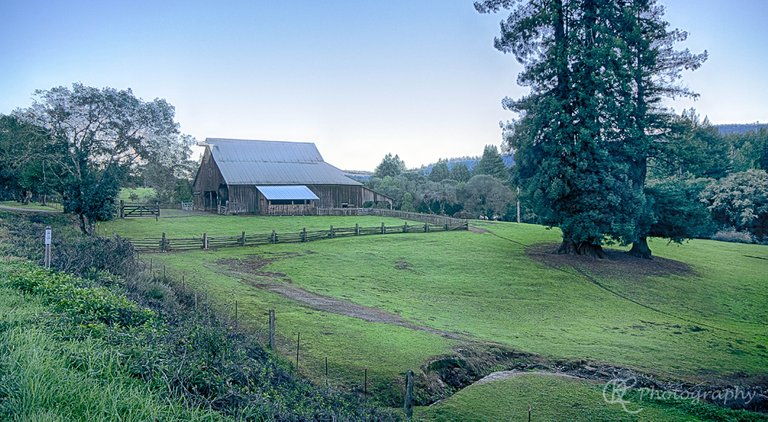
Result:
pixel 419 78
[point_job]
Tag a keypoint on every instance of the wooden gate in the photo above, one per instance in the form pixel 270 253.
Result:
pixel 139 210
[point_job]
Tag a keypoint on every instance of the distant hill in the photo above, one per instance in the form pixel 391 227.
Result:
pixel 740 128
pixel 361 176
pixel 470 162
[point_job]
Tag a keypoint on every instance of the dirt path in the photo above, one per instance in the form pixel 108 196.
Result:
pixel 250 271
pixel 502 375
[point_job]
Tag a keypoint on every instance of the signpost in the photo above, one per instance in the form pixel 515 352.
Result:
pixel 48 247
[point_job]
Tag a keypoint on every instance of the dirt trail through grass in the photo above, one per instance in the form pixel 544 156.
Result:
pixel 250 271
pixel 502 375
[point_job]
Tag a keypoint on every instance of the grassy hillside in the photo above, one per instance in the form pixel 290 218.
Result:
pixel 115 342
pixel 53 371
pixel 555 398
pixel 697 313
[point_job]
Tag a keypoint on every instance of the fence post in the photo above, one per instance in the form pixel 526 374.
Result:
pixel 383 230
pixel 205 240
pixel 242 239
pixel 272 329
pixel 304 234
pixel 446 226
pixel 157 210
pixel 408 405
pixel 162 243
pixel 405 227
pixel 426 227
pixel 298 345
pixel 122 209
pixel 273 237
pixel 357 229
pixel 330 233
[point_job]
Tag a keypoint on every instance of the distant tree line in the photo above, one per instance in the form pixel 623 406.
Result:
pixel 484 192
pixel 706 185
pixel 80 145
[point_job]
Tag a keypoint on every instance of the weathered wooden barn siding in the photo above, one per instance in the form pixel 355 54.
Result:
pixel 334 196
pixel 290 209
pixel 244 197
pixel 208 179
pixel 371 196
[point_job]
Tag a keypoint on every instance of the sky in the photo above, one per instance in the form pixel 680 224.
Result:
pixel 362 78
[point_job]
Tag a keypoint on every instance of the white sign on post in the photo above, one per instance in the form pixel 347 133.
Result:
pixel 48 247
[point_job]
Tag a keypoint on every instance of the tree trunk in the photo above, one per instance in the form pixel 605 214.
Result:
pixel 569 247
pixel 86 226
pixel 640 249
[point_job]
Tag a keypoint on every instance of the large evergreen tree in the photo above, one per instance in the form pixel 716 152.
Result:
pixel 597 70
pixel 492 164
pixel 654 68
pixel 389 166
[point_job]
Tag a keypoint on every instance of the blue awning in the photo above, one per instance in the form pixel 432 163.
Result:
pixel 287 193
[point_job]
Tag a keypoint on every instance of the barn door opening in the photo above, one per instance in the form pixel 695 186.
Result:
pixel 211 200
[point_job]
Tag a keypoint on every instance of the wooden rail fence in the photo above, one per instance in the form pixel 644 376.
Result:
pixel 405 215
pixel 167 244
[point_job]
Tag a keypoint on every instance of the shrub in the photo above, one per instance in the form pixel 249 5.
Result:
pixel 731 235
pixel 74 297
pixel 741 201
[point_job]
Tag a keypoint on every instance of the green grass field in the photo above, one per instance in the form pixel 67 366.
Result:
pixel 180 225
pixel 142 194
pixel 700 321
pixel 51 206
pixel 553 398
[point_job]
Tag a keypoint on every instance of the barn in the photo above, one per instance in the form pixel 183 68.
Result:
pixel 273 178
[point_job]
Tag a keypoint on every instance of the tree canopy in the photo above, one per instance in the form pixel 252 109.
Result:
pixel 101 134
pixel 389 166
pixel 492 164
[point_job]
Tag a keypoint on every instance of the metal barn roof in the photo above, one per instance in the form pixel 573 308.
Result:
pixel 287 193
pixel 251 162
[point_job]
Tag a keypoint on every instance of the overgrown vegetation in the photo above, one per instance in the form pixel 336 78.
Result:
pixel 156 332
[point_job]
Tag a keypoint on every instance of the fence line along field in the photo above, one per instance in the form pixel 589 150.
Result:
pixel 207 241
